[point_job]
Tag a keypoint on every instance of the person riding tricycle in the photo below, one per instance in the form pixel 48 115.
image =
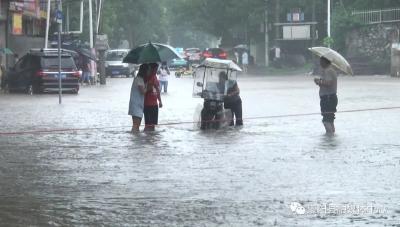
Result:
pixel 211 81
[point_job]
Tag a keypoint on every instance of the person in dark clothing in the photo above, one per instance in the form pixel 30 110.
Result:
pixel 233 102
pixel 85 67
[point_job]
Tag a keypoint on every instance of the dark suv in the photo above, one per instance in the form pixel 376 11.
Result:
pixel 37 72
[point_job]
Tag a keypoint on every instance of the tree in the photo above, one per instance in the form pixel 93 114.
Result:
pixel 137 21
pixel 223 18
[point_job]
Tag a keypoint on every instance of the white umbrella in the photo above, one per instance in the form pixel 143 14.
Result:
pixel 334 57
pixel 221 64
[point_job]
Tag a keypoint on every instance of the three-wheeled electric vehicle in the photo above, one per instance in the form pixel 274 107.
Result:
pixel 211 81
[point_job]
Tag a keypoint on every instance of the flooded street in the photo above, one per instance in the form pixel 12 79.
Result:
pixel 77 164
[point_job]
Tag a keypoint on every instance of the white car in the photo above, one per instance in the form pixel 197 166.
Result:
pixel 115 66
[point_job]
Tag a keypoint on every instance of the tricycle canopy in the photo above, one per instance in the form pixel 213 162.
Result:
pixel 213 77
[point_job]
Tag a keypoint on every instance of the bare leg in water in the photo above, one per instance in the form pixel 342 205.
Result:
pixel 136 123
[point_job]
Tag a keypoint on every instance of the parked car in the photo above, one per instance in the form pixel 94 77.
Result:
pixel 115 66
pixel 193 55
pixel 214 53
pixel 180 51
pixel 178 63
pixel 37 72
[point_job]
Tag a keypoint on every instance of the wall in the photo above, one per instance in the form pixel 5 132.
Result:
pixel 369 48
pixel 22 44
pixel 3 14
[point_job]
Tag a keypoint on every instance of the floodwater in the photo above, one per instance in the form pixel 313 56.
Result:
pixel 101 175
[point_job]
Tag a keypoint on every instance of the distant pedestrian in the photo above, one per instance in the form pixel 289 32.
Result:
pixel 85 67
pixel 136 102
pixel 152 99
pixel 236 57
pixel 163 73
pixel 328 94
pixel 245 61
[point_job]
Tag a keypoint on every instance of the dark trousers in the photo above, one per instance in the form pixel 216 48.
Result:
pixel 236 110
pixel 328 105
pixel 150 115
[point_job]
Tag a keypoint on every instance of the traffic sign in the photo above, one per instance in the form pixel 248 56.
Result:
pixel 59 16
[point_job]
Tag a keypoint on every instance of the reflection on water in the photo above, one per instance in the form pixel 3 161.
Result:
pixel 329 142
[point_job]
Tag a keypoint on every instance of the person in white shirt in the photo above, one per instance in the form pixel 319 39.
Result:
pixel 136 102
pixel 163 74
pixel 245 61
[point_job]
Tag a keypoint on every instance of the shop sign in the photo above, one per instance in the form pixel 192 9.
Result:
pixel 17 24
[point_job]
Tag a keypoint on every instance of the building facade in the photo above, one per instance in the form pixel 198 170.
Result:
pixel 3 27
pixel 23 25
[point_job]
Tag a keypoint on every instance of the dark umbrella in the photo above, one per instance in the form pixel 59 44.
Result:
pixel 151 53
pixel 88 53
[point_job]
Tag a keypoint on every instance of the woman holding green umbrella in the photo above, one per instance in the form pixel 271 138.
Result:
pixel 151 54
pixel 136 102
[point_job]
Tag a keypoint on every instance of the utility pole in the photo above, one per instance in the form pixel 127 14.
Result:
pixel 329 18
pixel 98 16
pixel 46 41
pixel 101 51
pixel 266 34
pixel 277 18
pixel 313 27
pixel 59 23
pixel 67 20
pixel 90 24
pixel 91 41
pixel 8 16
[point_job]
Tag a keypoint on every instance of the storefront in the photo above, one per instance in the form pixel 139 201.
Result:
pixel 27 25
pixel 3 28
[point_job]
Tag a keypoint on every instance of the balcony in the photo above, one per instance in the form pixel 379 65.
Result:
pixel 377 16
pixel 295 31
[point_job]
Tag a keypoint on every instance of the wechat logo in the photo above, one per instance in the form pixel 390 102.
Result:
pixel 297 208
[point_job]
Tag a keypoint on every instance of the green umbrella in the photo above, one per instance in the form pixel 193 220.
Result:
pixel 6 51
pixel 151 53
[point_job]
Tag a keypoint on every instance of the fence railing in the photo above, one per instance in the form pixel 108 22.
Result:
pixel 378 16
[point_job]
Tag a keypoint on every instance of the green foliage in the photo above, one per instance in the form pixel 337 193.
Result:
pixel 137 21
pixel 193 22
pixel 368 4
pixel 328 41
pixel 342 23
pixel 219 18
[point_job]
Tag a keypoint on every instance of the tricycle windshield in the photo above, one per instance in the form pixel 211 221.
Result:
pixel 212 83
